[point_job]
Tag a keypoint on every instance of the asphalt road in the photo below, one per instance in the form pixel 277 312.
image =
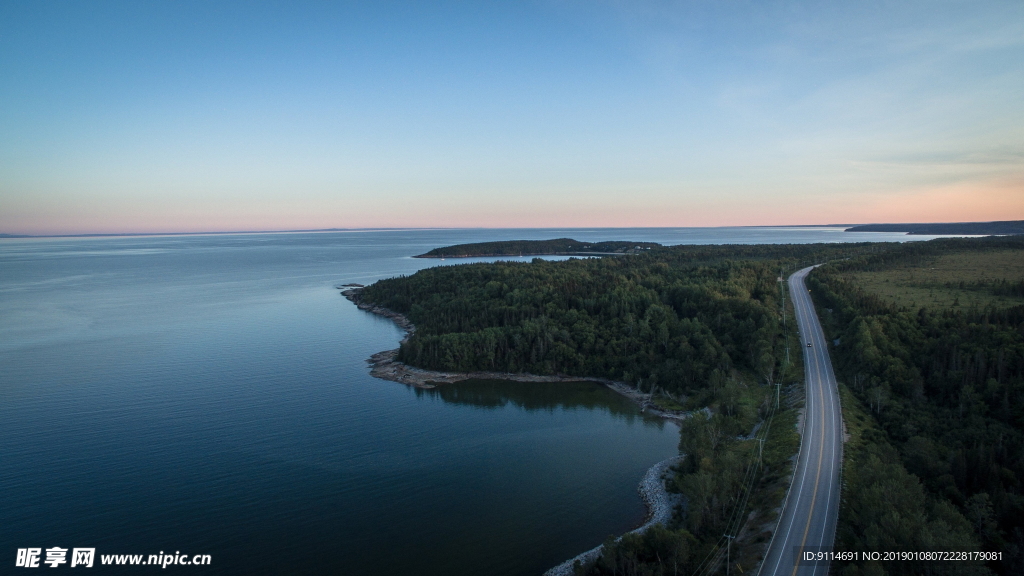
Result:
pixel 808 520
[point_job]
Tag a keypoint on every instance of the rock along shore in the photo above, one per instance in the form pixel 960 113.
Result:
pixel 385 365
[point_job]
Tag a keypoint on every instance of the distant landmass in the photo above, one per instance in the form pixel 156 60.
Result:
pixel 560 246
pixel 999 228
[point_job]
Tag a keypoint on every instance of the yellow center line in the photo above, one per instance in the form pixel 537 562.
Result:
pixel 821 444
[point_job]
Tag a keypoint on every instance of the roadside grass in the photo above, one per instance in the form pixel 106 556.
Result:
pixel 962 279
pixel 856 420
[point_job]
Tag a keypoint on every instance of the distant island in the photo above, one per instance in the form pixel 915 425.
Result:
pixel 560 246
pixel 1004 227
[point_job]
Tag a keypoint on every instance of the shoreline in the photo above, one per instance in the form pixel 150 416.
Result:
pixel 386 366
pixel 660 504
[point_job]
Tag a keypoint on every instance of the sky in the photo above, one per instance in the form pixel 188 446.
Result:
pixel 217 116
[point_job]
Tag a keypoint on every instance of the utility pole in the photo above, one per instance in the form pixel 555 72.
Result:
pixel 728 555
pixel 778 394
pixel 760 449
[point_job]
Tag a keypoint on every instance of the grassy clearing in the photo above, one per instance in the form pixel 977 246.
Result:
pixel 963 279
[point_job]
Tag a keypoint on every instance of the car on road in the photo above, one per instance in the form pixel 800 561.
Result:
pixel 809 345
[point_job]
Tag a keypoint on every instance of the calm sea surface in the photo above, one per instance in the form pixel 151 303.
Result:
pixel 210 395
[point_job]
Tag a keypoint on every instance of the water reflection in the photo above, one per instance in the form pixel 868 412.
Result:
pixel 536 396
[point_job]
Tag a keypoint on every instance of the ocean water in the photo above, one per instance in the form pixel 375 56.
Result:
pixel 210 395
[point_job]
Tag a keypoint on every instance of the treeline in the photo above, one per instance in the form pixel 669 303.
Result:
pixel 672 320
pixel 942 468
pixel 537 248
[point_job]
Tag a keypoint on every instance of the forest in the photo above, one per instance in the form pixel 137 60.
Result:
pixel 672 319
pixel 930 345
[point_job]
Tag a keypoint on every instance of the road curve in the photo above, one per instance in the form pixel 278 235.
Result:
pixel 811 508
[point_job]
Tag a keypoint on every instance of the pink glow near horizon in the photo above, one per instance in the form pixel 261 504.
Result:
pixel 958 203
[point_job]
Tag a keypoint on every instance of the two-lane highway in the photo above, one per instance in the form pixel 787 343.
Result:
pixel 808 519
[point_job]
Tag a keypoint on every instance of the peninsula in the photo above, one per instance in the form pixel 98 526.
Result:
pixel 557 247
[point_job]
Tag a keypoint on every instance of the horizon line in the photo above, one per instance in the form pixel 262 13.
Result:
pixel 385 228
pixel 394 228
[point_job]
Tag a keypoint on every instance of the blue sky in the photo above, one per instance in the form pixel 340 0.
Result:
pixel 189 116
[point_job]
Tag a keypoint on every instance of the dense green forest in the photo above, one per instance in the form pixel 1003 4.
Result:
pixel 538 248
pixel 675 319
pixel 930 345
